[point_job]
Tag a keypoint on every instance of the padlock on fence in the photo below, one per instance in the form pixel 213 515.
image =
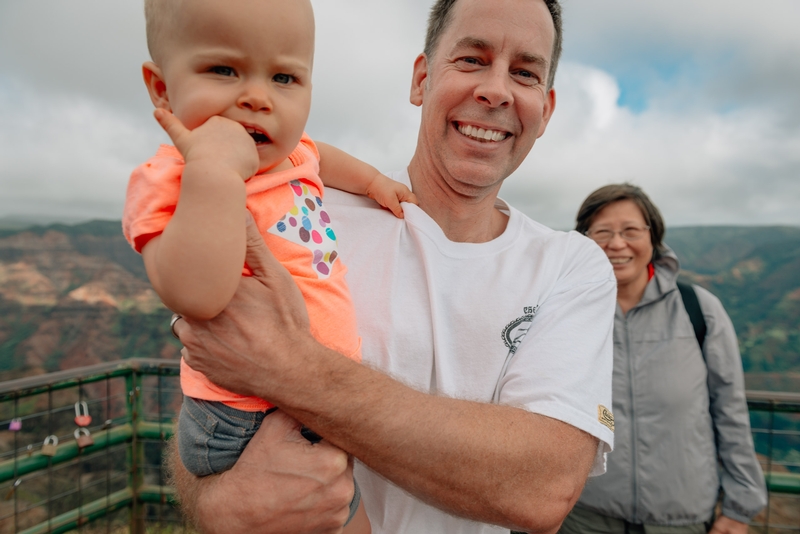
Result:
pixel 15 425
pixel 82 417
pixel 50 446
pixel 83 437
pixel 13 488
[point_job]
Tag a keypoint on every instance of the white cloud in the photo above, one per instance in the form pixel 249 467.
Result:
pixel 718 143
pixel 700 168
pixel 67 156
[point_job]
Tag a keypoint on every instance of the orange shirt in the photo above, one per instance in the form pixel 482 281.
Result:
pixel 287 207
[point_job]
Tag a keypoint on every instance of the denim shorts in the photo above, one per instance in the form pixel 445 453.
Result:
pixel 212 436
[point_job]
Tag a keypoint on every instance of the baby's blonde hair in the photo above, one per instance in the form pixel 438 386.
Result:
pixel 158 15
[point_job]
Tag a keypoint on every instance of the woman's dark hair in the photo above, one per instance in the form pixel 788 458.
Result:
pixel 604 196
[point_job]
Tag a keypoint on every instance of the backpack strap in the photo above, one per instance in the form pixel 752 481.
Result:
pixel 692 306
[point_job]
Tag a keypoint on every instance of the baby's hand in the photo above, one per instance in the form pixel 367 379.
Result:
pixel 390 193
pixel 224 141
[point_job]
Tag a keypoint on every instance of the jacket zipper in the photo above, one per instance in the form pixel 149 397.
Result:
pixel 634 453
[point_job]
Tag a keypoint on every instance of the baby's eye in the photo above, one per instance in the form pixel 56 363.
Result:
pixel 222 70
pixel 282 78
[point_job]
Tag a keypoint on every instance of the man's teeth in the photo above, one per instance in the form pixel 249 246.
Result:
pixel 480 133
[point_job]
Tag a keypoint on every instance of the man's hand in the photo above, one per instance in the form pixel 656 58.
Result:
pixel 726 525
pixel 280 484
pixel 218 141
pixel 390 193
pixel 232 349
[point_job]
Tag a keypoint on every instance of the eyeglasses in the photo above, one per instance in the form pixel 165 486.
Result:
pixel 632 233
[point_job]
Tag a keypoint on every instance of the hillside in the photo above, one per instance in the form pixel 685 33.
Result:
pixel 76 295
pixel 73 296
pixel 755 271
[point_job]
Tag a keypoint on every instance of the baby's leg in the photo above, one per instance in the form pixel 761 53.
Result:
pixel 359 524
pixel 212 436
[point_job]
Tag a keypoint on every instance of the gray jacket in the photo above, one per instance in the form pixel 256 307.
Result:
pixel 682 429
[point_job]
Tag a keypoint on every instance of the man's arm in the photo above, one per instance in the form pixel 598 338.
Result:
pixel 496 464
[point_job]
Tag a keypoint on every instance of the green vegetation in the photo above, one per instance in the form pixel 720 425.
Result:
pixel 755 272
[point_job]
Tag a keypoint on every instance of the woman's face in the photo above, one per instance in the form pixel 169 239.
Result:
pixel 629 258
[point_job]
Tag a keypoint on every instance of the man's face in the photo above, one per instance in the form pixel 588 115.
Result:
pixel 484 93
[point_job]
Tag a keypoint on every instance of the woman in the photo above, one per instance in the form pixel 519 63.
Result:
pixel 682 430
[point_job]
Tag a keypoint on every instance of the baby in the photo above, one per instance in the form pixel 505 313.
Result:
pixel 231 81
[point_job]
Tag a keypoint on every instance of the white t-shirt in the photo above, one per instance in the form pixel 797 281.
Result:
pixel 525 319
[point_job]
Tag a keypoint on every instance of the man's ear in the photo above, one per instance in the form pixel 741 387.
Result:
pixel 154 80
pixel 547 112
pixel 418 79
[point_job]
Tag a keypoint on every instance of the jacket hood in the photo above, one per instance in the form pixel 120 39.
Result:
pixel 665 280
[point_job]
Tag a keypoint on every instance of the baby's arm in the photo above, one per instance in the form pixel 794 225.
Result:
pixel 342 171
pixel 195 265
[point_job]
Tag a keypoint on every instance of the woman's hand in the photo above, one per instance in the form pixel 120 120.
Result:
pixel 726 525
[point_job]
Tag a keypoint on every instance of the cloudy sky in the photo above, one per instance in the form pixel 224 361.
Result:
pixel 697 102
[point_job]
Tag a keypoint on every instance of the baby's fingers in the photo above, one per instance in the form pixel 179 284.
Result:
pixel 172 125
pixel 393 204
pixel 407 196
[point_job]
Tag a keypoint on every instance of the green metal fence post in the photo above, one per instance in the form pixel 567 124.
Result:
pixel 136 451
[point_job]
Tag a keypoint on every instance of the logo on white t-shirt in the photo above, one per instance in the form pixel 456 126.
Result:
pixel 516 330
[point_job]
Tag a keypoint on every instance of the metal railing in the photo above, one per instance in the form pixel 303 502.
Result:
pixel 50 483
pixel 775 423
pixel 116 484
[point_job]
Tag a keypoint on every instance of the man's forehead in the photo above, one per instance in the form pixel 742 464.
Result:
pixel 470 17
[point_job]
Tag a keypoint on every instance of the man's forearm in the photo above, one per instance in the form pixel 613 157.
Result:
pixel 496 464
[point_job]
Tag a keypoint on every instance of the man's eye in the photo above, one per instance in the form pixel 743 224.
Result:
pixel 528 76
pixel 283 78
pixel 470 60
pixel 223 71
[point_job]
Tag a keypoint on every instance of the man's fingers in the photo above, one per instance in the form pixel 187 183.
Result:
pixel 322 460
pixel 258 257
pixel 171 124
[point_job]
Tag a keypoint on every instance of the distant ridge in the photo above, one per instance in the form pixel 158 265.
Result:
pixel 755 272
pixel 73 295
pixel 77 294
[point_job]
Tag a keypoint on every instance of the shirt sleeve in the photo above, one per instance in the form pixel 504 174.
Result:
pixel 151 198
pixel 563 367
pixel 306 149
pixel 741 477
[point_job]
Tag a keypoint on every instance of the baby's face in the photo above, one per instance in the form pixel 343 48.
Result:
pixel 247 60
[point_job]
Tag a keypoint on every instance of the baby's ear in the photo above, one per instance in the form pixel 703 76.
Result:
pixel 154 80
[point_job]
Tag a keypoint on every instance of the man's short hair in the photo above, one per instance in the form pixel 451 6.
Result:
pixel 611 193
pixel 442 14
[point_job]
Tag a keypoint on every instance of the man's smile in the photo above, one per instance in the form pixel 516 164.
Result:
pixel 481 134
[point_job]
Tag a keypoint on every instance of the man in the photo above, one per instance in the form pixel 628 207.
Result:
pixel 496 329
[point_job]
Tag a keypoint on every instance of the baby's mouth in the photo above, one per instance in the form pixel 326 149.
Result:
pixel 258 136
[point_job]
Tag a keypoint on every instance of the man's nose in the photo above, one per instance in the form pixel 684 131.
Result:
pixel 495 88
pixel 255 97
